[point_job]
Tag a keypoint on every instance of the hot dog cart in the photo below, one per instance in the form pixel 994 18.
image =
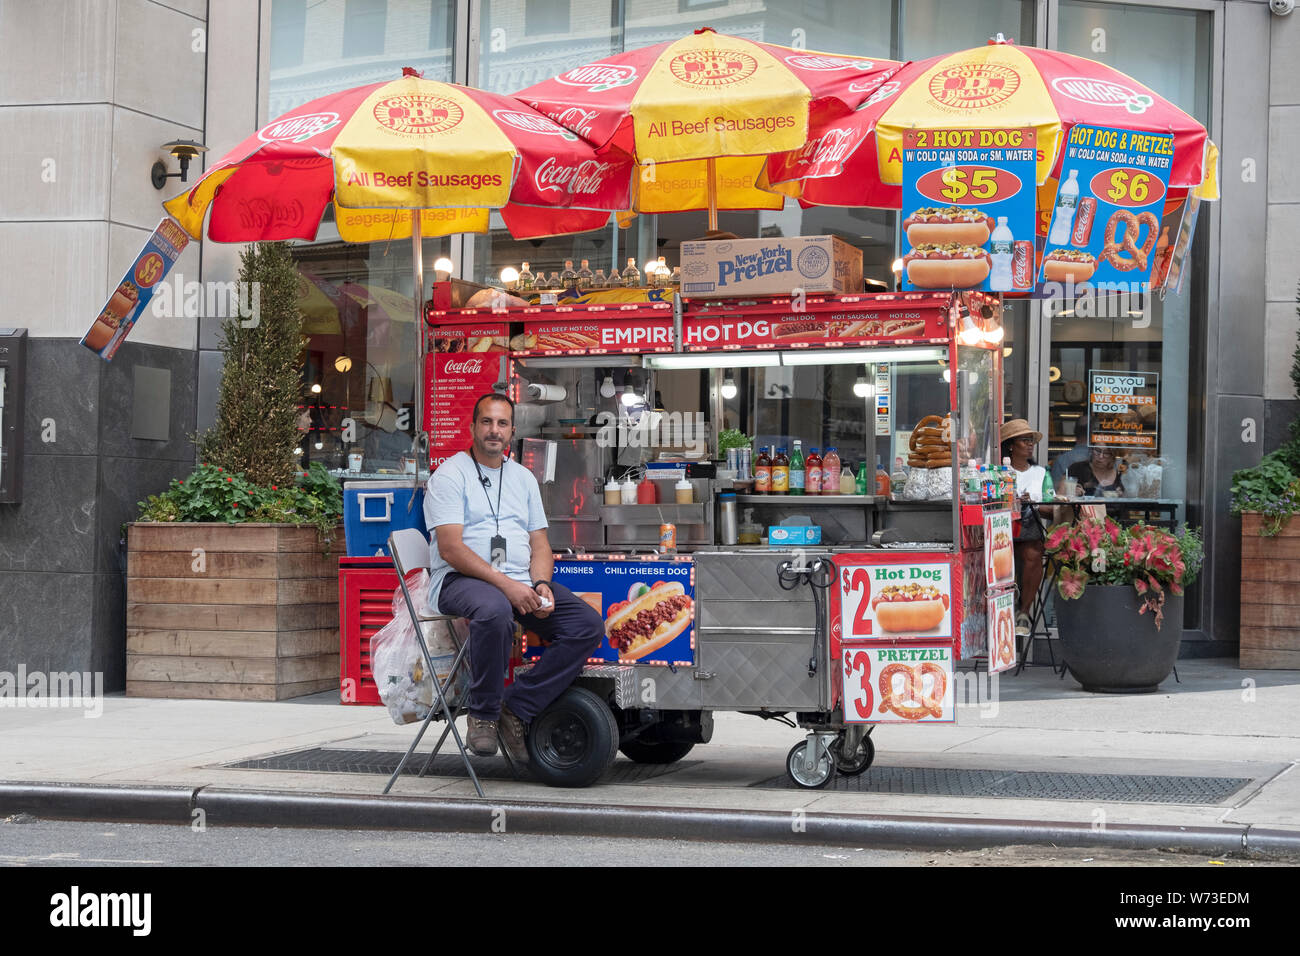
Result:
pixel 850 611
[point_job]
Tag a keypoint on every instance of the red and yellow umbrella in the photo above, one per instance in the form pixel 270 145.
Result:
pixel 385 151
pixel 701 114
pixel 856 160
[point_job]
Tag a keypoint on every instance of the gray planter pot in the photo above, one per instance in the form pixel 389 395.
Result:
pixel 1110 648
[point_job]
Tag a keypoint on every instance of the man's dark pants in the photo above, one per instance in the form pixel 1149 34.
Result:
pixel 572 629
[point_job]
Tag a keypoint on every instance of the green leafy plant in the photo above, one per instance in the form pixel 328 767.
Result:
pixel 211 493
pixel 733 438
pixel 1271 489
pixel 1152 560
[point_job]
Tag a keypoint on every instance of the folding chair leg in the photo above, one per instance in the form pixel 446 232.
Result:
pixel 440 700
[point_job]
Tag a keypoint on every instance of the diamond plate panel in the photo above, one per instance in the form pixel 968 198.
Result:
pixel 758 614
pixel 746 577
pixel 749 674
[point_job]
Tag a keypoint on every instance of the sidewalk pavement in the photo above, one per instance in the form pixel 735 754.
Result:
pixel 167 760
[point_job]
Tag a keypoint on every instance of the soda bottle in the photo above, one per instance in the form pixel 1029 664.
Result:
pixel 599 281
pixel 780 473
pixel 831 472
pixel 762 472
pixel 1002 248
pixel 631 275
pixel 1067 199
pixel 812 483
pixel 662 274
pixel 568 278
pixel 860 486
pixel 882 480
pixel 586 279
pixel 798 476
pixel 554 281
pixel 526 279
pixel 1049 492
pixel 1008 490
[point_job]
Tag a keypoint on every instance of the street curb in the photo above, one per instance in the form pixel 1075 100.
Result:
pixel 268 808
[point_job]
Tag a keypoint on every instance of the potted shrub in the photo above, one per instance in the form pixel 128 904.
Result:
pixel 232 579
pixel 1121 618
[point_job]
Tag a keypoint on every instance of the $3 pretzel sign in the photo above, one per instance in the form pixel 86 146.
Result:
pixel 911 702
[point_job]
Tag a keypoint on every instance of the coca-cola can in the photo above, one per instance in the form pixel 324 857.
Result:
pixel 1083 220
pixel 1022 265
pixel 667 538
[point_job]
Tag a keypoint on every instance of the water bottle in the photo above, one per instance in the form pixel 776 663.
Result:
pixel 727 515
pixel 1067 199
pixel 1003 246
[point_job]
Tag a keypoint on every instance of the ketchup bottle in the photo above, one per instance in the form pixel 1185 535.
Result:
pixel 646 492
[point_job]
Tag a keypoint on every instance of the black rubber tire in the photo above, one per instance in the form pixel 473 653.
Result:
pixel 573 741
pixel 646 749
pixel 865 756
pixel 822 774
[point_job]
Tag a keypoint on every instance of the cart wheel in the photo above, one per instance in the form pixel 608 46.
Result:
pixel 860 761
pixel 642 750
pixel 821 774
pixel 573 741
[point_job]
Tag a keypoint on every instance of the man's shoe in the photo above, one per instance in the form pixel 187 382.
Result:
pixel 482 737
pixel 513 735
pixel 1022 625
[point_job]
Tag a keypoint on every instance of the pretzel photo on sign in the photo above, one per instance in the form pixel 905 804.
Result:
pixel 1006 648
pixel 1137 255
pixel 911 702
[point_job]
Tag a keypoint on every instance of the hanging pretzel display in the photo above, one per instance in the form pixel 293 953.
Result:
pixel 911 702
pixel 1113 251
pixel 1005 646
pixel 929 445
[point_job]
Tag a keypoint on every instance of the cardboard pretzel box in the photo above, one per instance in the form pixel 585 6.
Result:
pixel 776 266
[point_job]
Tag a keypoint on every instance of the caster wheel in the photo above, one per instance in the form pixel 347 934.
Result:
pixel 815 779
pixel 859 762
pixel 573 741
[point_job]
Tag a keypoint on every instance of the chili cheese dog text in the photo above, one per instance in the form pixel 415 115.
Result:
pixel 635 628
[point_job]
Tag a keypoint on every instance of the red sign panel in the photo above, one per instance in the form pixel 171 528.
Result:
pixel 467 361
pixel 825 323
pixel 588 336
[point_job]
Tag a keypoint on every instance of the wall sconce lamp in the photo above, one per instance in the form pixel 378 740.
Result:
pixel 184 150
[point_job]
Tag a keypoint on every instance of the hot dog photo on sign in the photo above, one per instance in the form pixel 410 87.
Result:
pixel 968 209
pixel 898 601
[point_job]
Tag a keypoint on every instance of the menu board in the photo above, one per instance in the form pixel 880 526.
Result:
pixel 133 293
pixel 999 551
pixel 1105 226
pixel 898 685
pixel 467 362
pixel 1124 409
pixel 968 206
pixel 1002 631
pixel 648 608
pixel 588 336
pixel 821 328
pixel 892 601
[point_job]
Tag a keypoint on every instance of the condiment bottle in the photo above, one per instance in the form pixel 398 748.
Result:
pixel 798 474
pixel 685 493
pixel 612 494
pixel 831 472
pixel 780 473
pixel 628 491
pixel 882 480
pixel 813 473
pixel 646 492
pixel 762 473
pixel 848 485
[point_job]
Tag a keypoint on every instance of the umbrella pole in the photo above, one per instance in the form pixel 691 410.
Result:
pixel 709 175
pixel 419 439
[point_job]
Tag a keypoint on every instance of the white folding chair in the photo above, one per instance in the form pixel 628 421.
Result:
pixel 410 551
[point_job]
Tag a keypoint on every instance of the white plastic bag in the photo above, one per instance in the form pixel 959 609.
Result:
pixel 397 663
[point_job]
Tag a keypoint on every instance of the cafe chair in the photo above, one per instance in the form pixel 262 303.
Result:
pixel 410 551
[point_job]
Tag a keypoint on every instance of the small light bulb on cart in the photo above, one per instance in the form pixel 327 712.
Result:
pixel 444 267
pixel 607 389
pixel 509 276
pixel 862 388
pixel 729 388
pixel 629 396
pixel 970 333
pixel 994 335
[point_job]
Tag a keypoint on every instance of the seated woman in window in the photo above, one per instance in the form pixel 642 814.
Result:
pixel 1099 474
pixel 1018 442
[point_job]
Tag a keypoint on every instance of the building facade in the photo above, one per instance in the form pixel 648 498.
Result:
pixel 89 89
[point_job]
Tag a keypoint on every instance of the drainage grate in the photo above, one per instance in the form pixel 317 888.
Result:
pixel 323 760
pixel 1031 785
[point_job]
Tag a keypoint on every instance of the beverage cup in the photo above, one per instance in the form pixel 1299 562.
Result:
pixel 354 461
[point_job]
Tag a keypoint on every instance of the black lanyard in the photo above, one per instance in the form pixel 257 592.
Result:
pixel 484 481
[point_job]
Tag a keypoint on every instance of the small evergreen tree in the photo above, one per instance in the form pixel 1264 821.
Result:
pixel 257 406
pixel 1291 450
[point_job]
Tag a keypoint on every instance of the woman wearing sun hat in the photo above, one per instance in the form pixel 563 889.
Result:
pixel 1018 441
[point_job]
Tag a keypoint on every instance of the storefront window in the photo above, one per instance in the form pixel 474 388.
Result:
pixel 930 27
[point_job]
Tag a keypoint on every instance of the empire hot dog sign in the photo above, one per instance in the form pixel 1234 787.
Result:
pixel 892 601
pixel 598 336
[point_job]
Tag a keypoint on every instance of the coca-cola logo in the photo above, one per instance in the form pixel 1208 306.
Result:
pixel 585 179
pixel 532 123
pixel 827 64
pixel 296 129
pixel 473 366
pixel 597 77
pixel 576 119
pixel 884 93
pixel 832 147
pixel 1096 92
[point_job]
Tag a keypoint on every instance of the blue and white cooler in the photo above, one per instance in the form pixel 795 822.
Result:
pixel 372 510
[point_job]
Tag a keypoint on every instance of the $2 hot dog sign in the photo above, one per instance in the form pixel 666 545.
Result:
pixel 894 601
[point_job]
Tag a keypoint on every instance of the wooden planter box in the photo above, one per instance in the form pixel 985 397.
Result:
pixel 252 615
pixel 1270 596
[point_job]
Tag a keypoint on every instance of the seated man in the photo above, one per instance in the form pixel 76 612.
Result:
pixel 490 561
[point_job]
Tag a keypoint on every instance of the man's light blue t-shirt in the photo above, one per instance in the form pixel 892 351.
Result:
pixel 454 495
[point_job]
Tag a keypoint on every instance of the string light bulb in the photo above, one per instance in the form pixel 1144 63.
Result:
pixel 729 388
pixel 607 389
